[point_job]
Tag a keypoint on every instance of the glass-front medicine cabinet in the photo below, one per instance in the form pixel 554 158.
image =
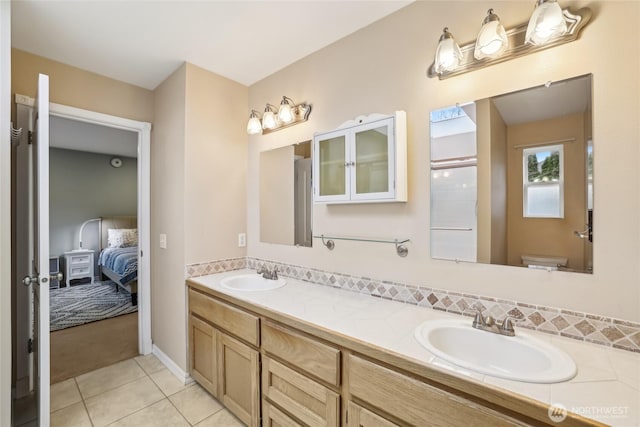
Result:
pixel 362 161
pixel 512 179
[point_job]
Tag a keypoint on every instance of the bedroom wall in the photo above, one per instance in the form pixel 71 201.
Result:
pixel 382 68
pixel 82 186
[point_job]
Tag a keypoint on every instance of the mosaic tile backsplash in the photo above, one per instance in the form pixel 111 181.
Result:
pixel 581 326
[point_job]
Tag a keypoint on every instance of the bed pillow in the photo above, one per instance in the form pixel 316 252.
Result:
pixel 122 237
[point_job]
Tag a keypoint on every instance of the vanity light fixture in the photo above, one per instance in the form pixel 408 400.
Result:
pixel 287 115
pixel 549 26
pixel 492 40
pixel 448 54
pixel 546 23
pixel 269 118
pixel 254 126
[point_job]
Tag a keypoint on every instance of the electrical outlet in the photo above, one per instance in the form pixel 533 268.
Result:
pixel 163 241
pixel 242 240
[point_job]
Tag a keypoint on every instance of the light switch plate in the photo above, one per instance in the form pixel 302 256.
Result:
pixel 242 240
pixel 163 241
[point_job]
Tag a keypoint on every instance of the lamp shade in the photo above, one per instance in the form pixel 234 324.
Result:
pixel 269 119
pixel 285 112
pixel 254 126
pixel 492 40
pixel 448 53
pixel 546 23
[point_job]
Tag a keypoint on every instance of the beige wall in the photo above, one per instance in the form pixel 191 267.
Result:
pixel 79 88
pixel 548 236
pixel 381 68
pixel 198 196
pixel 277 224
pixel 168 329
pixel 215 166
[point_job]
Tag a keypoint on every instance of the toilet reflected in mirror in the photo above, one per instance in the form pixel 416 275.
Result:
pixel 512 179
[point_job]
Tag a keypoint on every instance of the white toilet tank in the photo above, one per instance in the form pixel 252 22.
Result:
pixel 543 261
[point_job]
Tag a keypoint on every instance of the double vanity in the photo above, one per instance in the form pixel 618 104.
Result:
pixel 305 354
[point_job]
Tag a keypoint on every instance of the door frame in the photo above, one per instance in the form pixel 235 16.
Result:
pixel 143 129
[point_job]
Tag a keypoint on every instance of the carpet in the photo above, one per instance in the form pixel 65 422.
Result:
pixel 88 303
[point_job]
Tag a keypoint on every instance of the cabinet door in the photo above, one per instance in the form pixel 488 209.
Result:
pixel 238 376
pixel 330 167
pixel 357 416
pixel 202 353
pixel 372 170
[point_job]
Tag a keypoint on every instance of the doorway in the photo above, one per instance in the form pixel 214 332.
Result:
pixel 142 136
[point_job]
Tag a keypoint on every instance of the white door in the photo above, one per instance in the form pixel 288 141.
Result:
pixel 39 278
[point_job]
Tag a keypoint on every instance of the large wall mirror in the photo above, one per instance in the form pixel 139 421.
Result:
pixel 512 179
pixel 286 195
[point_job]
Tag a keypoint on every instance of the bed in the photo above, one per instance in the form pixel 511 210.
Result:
pixel 119 264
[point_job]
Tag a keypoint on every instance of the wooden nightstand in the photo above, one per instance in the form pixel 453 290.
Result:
pixel 78 265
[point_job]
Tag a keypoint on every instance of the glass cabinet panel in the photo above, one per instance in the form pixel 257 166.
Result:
pixel 331 158
pixel 372 160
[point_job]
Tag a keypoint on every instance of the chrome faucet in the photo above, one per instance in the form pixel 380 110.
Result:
pixel 268 274
pixel 489 324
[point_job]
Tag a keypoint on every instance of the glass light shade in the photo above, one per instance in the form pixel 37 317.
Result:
pixel 546 23
pixel 269 120
pixel 492 40
pixel 285 113
pixel 448 53
pixel 254 126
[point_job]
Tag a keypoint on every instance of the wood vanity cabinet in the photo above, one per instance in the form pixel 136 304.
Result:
pixel 315 378
pixel 222 355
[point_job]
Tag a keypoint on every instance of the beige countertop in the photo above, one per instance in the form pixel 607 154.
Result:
pixel 606 387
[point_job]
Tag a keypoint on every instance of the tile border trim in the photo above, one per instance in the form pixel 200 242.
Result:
pixel 607 331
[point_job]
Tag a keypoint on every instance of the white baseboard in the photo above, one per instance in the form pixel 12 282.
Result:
pixel 172 366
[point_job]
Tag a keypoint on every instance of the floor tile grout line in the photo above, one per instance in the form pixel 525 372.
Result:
pixel 179 412
pixel 118 386
pixel 135 412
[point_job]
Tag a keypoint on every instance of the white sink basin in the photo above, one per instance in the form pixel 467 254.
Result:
pixel 251 282
pixel 519 358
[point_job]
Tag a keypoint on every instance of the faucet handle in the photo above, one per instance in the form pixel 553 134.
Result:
pixel 478 319
pixel 507 325
pixel 274 275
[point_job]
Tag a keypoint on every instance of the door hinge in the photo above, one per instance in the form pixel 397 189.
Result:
pixel 141 254
pixel 30 137
pixel 30 346
pixel 347 417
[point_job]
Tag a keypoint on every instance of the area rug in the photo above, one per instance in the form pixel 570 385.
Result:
pixel 82 304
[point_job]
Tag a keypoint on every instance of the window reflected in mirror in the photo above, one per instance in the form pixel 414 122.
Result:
pixel 286 195
pixel 512 179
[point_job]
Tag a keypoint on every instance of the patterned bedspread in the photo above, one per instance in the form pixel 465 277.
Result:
pixel 123 261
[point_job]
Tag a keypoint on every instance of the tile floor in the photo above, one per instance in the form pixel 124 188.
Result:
pixel 136 392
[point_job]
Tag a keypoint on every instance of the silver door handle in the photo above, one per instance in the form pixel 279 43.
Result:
pixel 57 276
pixel 28 280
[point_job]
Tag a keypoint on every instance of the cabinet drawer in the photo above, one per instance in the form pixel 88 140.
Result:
pixel 273 417
pixel 80 259
pixel 79 271
pixel 361 417
pixel 237 322
pixel 313 404
pixel 319 360
pixel 415 402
